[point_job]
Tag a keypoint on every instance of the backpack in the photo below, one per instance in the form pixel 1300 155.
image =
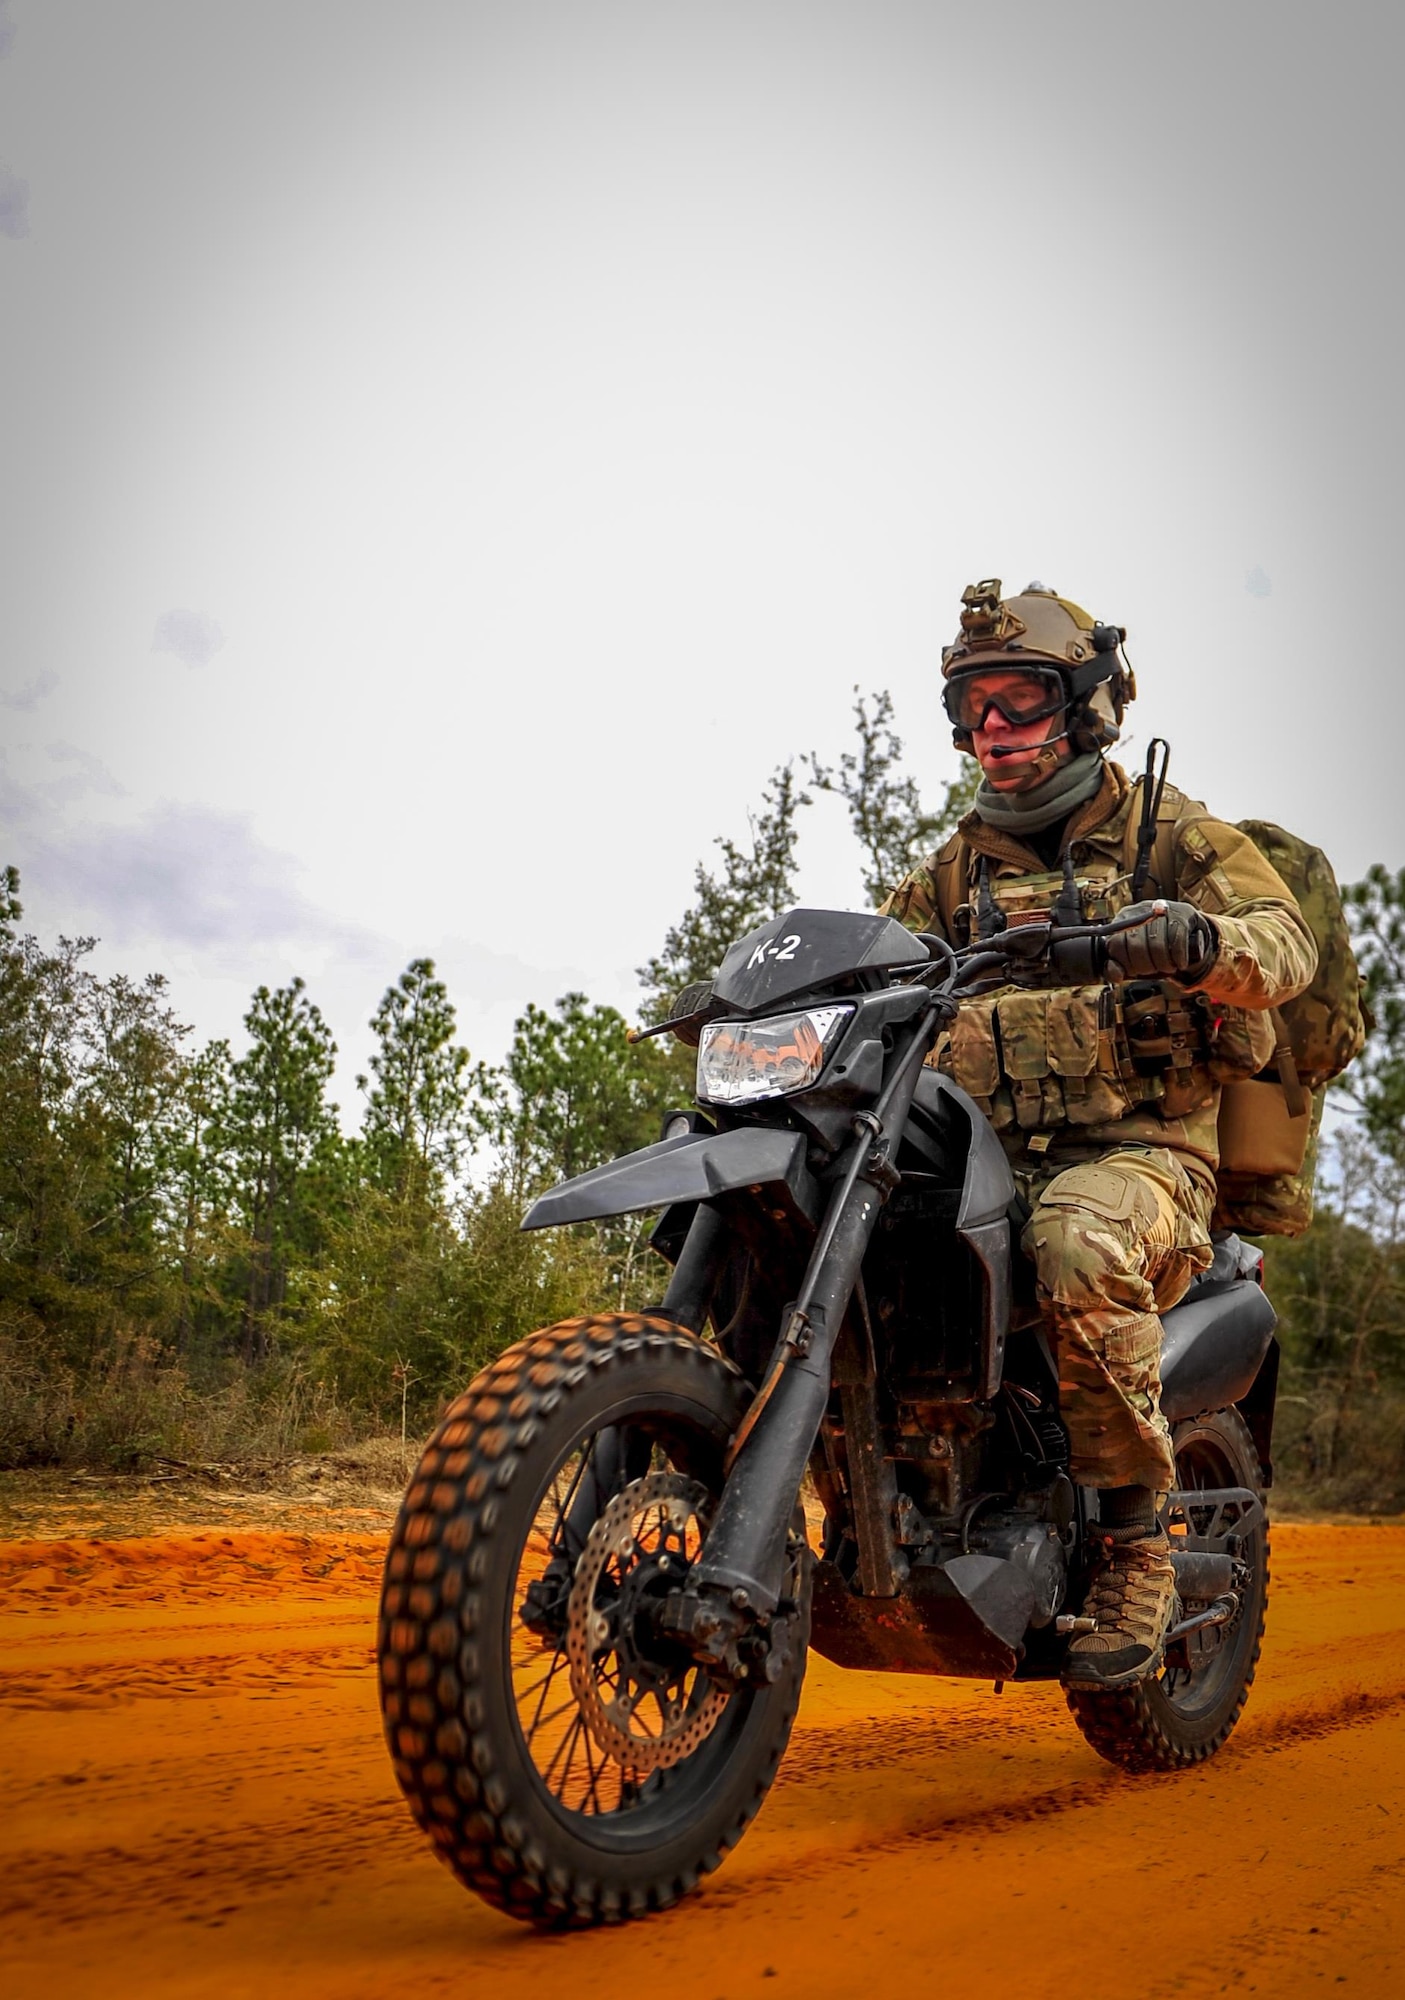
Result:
pixel 1269 1124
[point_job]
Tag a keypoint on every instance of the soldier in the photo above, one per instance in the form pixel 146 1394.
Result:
pixel 1105 1093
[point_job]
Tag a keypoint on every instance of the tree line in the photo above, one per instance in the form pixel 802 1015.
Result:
pixel 197 1260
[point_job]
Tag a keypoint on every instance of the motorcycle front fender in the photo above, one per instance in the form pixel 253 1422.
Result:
pixel 696 1166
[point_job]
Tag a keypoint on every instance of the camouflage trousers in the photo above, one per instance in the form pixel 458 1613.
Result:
pixel 1113 1242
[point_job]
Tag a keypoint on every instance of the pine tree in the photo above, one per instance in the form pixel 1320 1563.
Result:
pixel 131 1083
pixel 749 888
pixel 573 1092
pixel 1376 911
pixel 11 909
pixel 417 1121
pixel 893 828
pixel 281 1137
pixel 387 1312
pixel 89 1070
pixel 205 1241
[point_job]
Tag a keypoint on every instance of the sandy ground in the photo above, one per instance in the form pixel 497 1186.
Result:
pixel 198 1802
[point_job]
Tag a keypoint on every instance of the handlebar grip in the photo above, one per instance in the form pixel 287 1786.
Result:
pixel 1080 960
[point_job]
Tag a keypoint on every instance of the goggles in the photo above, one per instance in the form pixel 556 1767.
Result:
pixel 1022 694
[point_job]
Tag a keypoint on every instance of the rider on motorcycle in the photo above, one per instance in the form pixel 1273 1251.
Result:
pixel 1105 1093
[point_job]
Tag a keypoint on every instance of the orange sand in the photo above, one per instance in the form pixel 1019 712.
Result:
pixel 198 1802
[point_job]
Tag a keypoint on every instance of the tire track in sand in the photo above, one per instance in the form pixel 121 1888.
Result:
pixel 1276 1733
pixel 108 1684
pixel 154 1793
pixel 252 1857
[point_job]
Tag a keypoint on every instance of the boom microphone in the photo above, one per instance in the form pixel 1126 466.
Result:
pixel 1018 749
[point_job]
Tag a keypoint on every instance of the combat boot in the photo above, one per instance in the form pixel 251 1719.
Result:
pixel 1132 1598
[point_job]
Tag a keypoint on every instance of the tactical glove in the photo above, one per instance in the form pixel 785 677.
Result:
pixel 694 999
pixel 1180 942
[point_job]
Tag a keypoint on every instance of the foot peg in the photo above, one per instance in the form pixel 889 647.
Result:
pixel 1219 1613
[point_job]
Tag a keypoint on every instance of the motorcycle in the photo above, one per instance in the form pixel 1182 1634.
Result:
pixel 600 1589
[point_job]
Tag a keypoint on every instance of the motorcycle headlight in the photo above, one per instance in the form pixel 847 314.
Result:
pixel 740 1062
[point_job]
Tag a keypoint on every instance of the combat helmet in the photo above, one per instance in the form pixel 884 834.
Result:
pixel 1040 630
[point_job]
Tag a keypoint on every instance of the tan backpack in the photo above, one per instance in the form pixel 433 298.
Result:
pixel 1269 1123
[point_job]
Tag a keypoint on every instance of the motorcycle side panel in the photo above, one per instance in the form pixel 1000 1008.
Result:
pixel 982 1219
pixel 988 1186
pixel 1212 1349
pixel 693 1167
pixel 991 1243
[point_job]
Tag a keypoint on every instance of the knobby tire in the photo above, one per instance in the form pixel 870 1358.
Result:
pixel 1157 1725
pixel 581 1841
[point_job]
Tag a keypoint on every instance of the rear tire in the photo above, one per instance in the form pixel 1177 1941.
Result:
pixel 494 1721
pixel 1182 1716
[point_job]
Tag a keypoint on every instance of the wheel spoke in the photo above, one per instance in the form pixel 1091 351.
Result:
pixel 557 1661
pixel 566 1708
pixel 557 1545
pixel 568 1744
pixel 592 1794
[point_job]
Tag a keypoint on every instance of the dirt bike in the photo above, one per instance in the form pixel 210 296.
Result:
pixel 599 1592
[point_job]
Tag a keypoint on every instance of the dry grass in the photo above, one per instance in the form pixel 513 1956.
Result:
pixel 354 1489
pixel 135 1409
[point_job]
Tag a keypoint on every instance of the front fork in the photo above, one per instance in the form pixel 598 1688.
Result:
pixel 733 1597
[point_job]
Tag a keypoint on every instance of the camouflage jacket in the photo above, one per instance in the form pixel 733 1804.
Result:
pixel 1070 1071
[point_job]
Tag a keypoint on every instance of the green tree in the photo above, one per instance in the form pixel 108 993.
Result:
pixel 384 1304
pixel 417 1120
pixel 413 1299
pixel 50 1156
pixel 1339 1291
pixel 750 887
pixel 893 828
pixel 1340 1288
pixel 573 1092
pixel 89 1072
pixel 206 1243
pixel 1376 1081
pixel 131 1081
pixel 281 1138
pixel 11 909
pixel 516 1280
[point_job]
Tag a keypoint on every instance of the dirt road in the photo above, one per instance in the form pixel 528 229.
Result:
pixel 197 1802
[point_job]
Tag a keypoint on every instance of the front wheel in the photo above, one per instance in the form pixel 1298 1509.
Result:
pixel 1185 1713
pixel 570 1763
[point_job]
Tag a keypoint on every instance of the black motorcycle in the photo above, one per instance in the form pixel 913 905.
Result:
pixel 600 1591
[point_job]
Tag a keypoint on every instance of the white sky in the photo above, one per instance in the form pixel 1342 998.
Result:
pixel 451 453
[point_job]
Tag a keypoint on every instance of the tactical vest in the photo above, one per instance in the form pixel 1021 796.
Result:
pixel 1043 1055
pixel 1040 1055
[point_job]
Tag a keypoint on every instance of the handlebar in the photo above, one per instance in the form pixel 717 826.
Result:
pixel 1075 948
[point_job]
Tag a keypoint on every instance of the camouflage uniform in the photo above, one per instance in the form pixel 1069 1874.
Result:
pixel 1114 1242
pixel 1106 1096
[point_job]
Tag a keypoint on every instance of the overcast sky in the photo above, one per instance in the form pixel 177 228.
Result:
pixel 450 454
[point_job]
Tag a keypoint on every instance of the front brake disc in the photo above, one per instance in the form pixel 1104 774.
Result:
pixel 646 1713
